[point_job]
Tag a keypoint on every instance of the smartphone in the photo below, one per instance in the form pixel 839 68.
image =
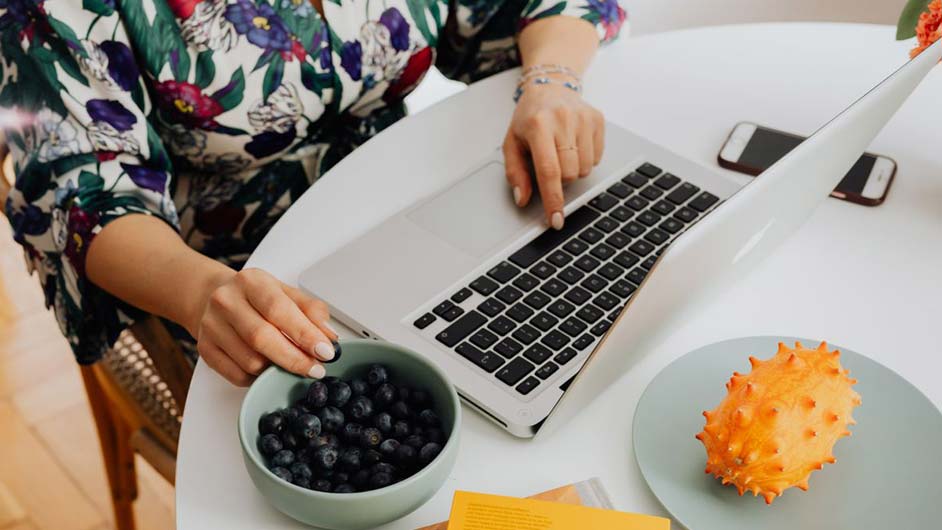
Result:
pixel 751 149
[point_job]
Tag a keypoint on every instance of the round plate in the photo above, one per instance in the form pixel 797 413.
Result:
pixel 885 476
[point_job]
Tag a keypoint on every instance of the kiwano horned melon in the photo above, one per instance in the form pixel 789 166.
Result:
pixel 780 422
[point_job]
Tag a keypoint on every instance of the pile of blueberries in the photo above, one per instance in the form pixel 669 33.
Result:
pixel 345 436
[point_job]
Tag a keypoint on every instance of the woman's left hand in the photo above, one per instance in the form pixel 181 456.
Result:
pixel 562 134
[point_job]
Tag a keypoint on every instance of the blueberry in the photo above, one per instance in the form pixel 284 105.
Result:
pixel 325 457
pixel 389 447
pixel 338 351
pixel 401 429
pixel 302 482
pixel 370 457
pixel 307 426
pixel 361 478
pixel 282 473
pixel 377 375
pixel 271 423
pixel 380 480
pixel 383 467
pixel 428 418
pixel 404 393
pixel 344 488
pixel 350 459
pixel 434 434
pixel 316 396
pixel 419 398
pixel 428 452
pixel 283 458
pixel 300 470
pixel 360 408
pixel 289 440
pixel 359 387
pixel 415 441
pixel 384 396
pixel 340 478
pixel 338 393
pixel 351 432
pixel 400 410
pixel 270 444
pixel 384 422
pixel 321 485
pixel 292 414
pixel 331 418
pixel 371 438
pixel 405 455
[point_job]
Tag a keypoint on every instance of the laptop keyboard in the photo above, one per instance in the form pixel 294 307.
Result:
pixel 553 298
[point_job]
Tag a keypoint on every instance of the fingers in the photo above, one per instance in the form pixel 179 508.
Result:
pixel 222 335
pixel 222 364
pixel 518 171
pixel 586 144
pixel 314 309
pixel 598 135
pixel 567 145
pixel 266 339
pixel 548 173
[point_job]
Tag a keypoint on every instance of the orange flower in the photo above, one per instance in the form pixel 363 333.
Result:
pixel 929 28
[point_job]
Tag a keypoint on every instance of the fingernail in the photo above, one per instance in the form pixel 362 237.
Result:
pixel 328 327
pixel 324 350
pixel 556 220
pixel 517 195
pixel 317 372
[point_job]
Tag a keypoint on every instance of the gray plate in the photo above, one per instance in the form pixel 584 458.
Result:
pixel 887 474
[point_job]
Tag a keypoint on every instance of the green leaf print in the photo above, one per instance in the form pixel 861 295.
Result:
pixel 230 95
pixel 98 7
pixel 417 10
pixel 66 33
pixel 205 69
pixel 273 75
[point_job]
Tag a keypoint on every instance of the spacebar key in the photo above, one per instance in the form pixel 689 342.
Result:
pixel 550 239
pixel 461 328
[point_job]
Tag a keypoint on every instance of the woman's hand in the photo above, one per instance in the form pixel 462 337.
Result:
pixel 249 319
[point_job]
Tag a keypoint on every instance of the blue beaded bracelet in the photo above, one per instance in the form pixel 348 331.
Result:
pixel 575 87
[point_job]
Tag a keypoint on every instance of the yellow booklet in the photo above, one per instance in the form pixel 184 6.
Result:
pixel 479 511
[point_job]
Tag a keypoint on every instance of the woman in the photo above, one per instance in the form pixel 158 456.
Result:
pixel 170 135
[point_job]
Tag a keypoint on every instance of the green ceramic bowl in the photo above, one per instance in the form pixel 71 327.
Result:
pixel 276 389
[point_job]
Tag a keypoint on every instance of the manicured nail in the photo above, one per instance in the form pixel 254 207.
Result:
pixel 556 220
pixel 317 372
pixel 517 196
pixel 324 350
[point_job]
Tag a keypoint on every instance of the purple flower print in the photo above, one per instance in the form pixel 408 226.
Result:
pixel 145 177
pixel 30 221
pixel 121 65
pixel 611 16
pixel 111 112
pixel 398 28
pixel 351 58
pixel 260 25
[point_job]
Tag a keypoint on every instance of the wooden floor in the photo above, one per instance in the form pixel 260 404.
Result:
pixel 51 472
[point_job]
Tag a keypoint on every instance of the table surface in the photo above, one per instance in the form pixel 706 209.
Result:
pixel 863 277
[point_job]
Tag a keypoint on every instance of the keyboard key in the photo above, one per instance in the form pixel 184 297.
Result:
pixel 627 259
pixel 423 321
pixel 680 195
pixel 559 258
pixel 503 272
pixel 648 218
pixel 613 316
pixel 452 313
pixel 486 361
pixel 663 207
pixel 667 181
pixel 633 229
pixel 576 247
pixel 509 294
pixel 561 308
pixel 685 214
pixel 637 275
pixel 525 282
pixel 554 287
pixel 591 236
pixel 544 321
pixel 599 329
pixel 536 300
pixel 621 213
pixel 587 263
pixel 483 339
pixel 657 236
pixel 618 240
pixel 555 340
pixel 501 325
pixel 508 347
pixel 611 271
pixel 671 225
pixel 548 369
pixel 604 202
pixel 543 270
pixel 703 201
pixel 550 239
pixel 520 312
pixel 443 308
pixel 526 334
pixel 583 342
pixel 594 283
pixel 573 326
pixel 641 248
pixel 606 224
pixel 636 179
pixel 590 313
pixel 620 190
pixel 484 286
pixel 637 203
pixel 514 371
pixel 578 295
pixel 565 356
pixel 460 329
pixel 538 353
pixel 606 301
pixel 461 295
pixel 648 263
pixel 603 251
pixel 491 307
pixel 652 192
pixel 649 170
pixel 528 385
pixel 570 275
pixel 623 288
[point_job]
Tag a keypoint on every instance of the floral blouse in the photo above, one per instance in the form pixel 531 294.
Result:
pixel 213 115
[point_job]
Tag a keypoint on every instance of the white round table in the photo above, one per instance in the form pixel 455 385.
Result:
pixel 863 277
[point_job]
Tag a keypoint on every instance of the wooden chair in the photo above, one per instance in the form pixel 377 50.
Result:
pixel 137 393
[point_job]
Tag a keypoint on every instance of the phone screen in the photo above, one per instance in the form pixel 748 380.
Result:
pixel 767 146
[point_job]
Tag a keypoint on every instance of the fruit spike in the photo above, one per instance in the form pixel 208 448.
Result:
pixel 779 423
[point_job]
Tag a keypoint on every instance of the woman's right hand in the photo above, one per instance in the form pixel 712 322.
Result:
pixel 248 319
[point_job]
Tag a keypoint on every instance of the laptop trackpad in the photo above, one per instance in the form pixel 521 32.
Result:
pixel 477 214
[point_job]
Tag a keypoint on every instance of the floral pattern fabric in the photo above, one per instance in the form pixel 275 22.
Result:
pixel 213 115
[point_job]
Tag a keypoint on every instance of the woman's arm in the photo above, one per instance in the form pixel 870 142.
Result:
pixel 242 320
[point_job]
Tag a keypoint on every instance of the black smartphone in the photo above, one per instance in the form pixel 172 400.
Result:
pixel 751 149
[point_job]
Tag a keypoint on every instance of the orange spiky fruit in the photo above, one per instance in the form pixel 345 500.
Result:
pixel 780 422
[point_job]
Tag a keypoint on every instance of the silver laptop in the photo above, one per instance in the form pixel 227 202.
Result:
pixel 532 324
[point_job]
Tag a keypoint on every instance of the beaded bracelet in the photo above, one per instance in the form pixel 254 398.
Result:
pixel 575 87
pixel 549 69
